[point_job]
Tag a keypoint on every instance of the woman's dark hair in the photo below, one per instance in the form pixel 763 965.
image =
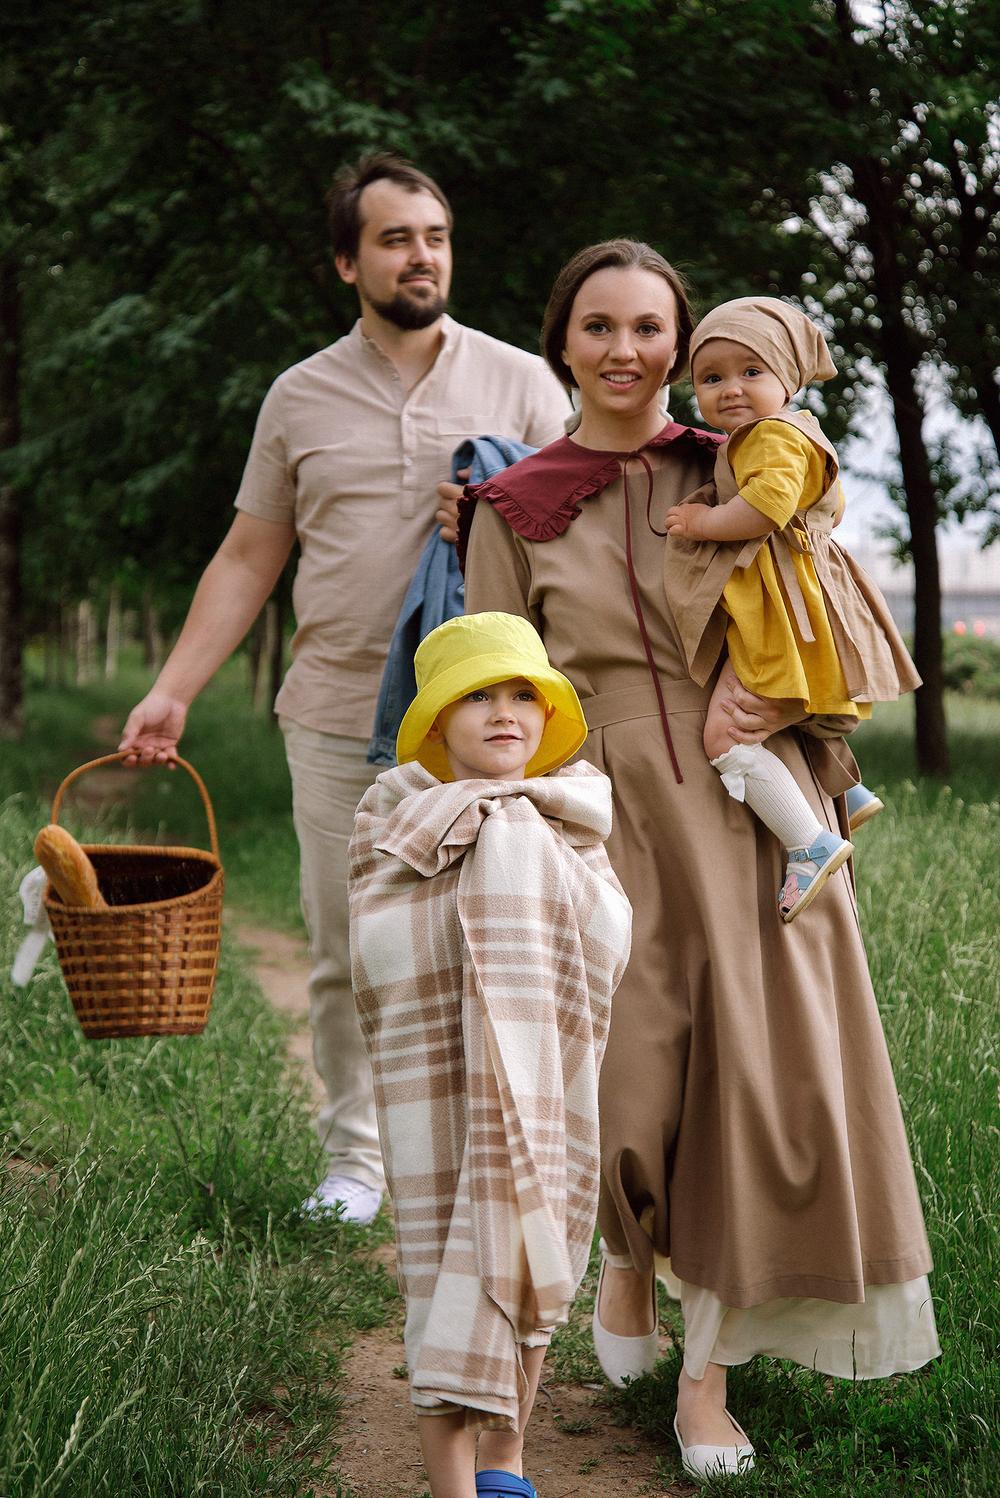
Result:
pixel 343 200
pixel 618 254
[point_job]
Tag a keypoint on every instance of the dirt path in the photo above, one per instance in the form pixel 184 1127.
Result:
pixel 574 1451
pixel 281 966
pixel 93 795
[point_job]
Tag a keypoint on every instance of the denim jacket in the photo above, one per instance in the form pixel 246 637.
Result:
pixel 436 593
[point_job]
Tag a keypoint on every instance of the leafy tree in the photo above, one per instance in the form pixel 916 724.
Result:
pixel 904 257
pixel 178 253
pixel 21 205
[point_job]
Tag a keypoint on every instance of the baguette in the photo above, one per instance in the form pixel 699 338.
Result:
pixel 69 870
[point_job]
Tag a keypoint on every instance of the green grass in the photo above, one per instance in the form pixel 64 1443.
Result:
pixel 884 748
pixel 170 1323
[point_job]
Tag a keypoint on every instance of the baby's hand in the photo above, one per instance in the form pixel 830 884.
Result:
pixel 687 521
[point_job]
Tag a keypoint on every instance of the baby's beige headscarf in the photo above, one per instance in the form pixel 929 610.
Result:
pixel 786 340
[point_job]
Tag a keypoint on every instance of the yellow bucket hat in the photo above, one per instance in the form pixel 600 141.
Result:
pixel 478 650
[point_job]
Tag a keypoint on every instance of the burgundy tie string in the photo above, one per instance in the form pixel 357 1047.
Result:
pixel 637 607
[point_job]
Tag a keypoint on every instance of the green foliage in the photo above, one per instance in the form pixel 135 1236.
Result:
pixel 172 247
pixel 972 666
pixel 163 213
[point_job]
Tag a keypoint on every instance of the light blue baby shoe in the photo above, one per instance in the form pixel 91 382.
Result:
pixel 862 805
pixel 808 870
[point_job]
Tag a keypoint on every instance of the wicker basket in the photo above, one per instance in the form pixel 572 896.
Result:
pixel 147 964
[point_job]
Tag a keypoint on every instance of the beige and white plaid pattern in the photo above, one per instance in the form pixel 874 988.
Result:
pixel 488 934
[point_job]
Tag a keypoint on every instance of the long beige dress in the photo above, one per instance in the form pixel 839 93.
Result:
pixel 750 1127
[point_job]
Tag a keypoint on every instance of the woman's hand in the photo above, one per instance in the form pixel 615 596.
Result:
pixel 447 514
pixel 753 719
pixel 688 521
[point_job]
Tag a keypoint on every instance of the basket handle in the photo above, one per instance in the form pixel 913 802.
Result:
pixel 112 759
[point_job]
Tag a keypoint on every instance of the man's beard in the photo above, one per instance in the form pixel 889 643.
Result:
pixel 409 313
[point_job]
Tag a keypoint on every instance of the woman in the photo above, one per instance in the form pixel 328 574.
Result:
pixel 750 1127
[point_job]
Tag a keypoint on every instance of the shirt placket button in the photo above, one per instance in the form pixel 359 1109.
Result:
pixel 408 496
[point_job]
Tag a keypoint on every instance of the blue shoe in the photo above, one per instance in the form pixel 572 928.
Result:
pixel 862 805
pixel 495 1484
pixel 808 870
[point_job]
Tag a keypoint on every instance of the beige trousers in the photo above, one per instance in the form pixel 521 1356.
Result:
pixel 329 777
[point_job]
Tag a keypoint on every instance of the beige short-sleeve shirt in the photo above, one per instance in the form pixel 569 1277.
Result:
pixel 353 461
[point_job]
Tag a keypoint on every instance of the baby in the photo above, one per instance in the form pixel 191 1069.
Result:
pixel 488 934
pixel 805 623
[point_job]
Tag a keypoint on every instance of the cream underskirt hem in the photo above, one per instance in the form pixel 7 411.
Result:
pixel 892 1332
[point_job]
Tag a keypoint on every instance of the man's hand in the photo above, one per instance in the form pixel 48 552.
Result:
pixel 687 521
pixel 447 515
pixel 152 729
pixel 753 719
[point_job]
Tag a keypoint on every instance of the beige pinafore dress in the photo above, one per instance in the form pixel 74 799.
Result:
pixel 822 604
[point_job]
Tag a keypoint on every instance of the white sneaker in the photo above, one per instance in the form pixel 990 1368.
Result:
pixel 356 1201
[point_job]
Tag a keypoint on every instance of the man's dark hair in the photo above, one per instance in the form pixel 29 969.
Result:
pixel 343 200
pixel 619 254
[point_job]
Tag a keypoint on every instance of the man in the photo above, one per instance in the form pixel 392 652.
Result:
pixel 349 448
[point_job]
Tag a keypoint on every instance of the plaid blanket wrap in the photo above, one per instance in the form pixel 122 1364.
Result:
pixel 488 934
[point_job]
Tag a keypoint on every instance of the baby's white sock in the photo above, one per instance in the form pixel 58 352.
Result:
pixel 753 774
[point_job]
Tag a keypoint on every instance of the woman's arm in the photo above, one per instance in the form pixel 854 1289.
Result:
pixel 497 571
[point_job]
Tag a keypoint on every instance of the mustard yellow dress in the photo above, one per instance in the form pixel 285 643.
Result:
pixel 781 472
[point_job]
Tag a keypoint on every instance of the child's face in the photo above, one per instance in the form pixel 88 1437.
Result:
pixel 733 385
pixel 491 734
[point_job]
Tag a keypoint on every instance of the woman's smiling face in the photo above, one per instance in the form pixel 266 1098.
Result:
pixel 621 340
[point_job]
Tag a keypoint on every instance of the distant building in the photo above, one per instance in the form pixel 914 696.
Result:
pixel 970 584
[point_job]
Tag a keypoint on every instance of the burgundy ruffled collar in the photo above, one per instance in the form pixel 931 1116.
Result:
pixel 540 496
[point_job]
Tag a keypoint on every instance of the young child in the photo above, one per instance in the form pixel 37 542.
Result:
pixel 804 620
pixel 488 934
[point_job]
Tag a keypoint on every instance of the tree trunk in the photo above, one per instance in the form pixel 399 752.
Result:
pixel 113 633
pixel 921 507
pixel 86 643
pixel 276 653
pixel 902 353
pixel 152 634
pixel 52 660
pixel 67 638
pixel 269 623
pixel 255 654
pixel 11 614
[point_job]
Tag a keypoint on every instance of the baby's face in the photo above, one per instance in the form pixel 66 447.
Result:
pixel 492 733
pixel 733 385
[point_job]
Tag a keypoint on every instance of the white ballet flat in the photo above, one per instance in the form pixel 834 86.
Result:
pixel 624 1358
pixel 703 1462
